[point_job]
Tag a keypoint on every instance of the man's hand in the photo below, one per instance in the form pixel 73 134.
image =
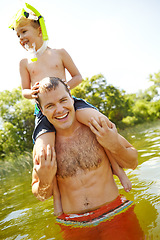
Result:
pixel 124 153
pixel 45 166
pixel 106 136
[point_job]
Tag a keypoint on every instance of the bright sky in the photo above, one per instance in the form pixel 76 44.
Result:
pixel 118 38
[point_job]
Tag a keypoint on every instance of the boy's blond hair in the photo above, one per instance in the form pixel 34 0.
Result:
pixel 23 18
pixel 23 21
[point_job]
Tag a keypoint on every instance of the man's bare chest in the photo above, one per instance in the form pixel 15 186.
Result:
pixel 80 153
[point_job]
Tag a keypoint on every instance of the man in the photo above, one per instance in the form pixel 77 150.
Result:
pixel 81 165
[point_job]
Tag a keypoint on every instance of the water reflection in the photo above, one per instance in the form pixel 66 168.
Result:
pixel 22 216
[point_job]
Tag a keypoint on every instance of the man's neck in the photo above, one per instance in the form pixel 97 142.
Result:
pixel 68 132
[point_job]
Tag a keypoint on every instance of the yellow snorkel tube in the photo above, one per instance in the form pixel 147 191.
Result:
pixel 22 12
pixel 41 21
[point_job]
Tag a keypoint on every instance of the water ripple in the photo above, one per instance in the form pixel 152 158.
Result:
pixel 14 215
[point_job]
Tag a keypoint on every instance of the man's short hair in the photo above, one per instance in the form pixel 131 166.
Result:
pixel 49 83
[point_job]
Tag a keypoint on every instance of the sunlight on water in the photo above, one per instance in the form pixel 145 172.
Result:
pixel 22 216
pixel 146 179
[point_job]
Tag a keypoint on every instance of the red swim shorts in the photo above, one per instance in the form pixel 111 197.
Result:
pixel 114 221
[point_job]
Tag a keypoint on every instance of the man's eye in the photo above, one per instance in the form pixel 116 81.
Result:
pixel 64 100
pixel 24 31
pixel 49 106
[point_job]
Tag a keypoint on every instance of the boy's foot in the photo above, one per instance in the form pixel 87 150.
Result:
pixel 57 208
pixel 126 183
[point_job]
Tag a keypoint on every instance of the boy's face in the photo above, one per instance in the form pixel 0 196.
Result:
pixel 28 35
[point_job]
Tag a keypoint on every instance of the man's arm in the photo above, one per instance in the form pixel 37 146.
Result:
pixel 44 170
pixel 123 152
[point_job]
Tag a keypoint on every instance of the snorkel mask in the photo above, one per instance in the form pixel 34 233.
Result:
pixel 22 12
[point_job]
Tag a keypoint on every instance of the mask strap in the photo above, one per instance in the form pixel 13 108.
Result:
pixel 41 21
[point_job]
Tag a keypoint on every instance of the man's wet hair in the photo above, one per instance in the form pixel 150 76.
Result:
pixel 49 83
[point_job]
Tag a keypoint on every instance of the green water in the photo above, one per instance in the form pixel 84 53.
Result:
pixel 22 216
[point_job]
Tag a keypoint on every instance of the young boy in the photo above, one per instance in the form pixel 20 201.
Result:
pixel 48 62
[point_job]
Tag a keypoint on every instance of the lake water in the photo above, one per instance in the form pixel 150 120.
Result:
pixel 22 216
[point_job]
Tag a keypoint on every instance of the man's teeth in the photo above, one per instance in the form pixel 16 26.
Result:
pixel 65 115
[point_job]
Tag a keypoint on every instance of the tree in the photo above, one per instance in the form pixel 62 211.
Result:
pixel 155 79
pixel 108 99
pixel 145 104
pixel 17 120
pixel 17 123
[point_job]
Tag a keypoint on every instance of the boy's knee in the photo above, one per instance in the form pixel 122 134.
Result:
pixel 43 140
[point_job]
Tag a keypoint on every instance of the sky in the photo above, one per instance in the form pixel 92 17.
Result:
pixel 117 38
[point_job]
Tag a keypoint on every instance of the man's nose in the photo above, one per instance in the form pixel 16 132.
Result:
pixel 59 108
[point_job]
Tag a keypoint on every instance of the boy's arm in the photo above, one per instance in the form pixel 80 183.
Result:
pixel 27 91
pixel 71 68
pixel 44 171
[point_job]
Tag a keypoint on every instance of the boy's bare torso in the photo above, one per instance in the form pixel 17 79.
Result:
pixel 84 174
pixel 48 65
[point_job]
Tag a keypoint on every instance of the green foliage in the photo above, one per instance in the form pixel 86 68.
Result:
pixel 17 123
pixel 129 121
pixel 108 99
pixel 16 163
pixel 17 120
pixel 145 104
pixel 155 79
pixel 121 108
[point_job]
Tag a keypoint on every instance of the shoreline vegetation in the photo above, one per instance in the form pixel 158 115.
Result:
pixel 125 110
pixel 24 162
pixel 16 164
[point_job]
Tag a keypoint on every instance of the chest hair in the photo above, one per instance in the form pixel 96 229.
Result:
pixel 80 152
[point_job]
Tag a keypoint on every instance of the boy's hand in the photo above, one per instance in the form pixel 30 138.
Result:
pixel 66 83
pixel 35 90
pixel 45 165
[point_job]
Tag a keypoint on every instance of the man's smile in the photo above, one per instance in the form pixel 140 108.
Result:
pixel 62 116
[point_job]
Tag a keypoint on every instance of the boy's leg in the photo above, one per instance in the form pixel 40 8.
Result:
pixel 119 172
pixel 84 115
pixel 43 140
pixel 57 199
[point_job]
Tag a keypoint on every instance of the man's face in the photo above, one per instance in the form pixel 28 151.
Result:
pixel 57 106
